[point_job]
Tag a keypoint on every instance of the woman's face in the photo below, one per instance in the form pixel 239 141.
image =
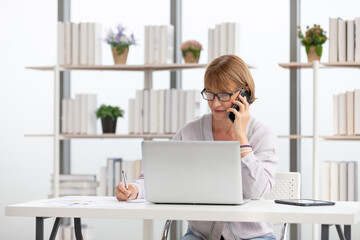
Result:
pixel 218 108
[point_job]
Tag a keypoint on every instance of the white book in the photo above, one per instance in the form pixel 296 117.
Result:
pixel 333 40
pixel 342 114
pixel 161 111
pixel 350 45
pixel 75 44
pixel 154 111
pixel 102 179
pixel 137 169
pixel 357 112
pixel 60 43
pixel 334 181
pixel 157 44
pixel 217 41
pixel 174 110
pixel 117 172
pixel 91 104
pixel 326 181
pixel 83 114
pixel 343 181
pixel 111 175
pixel 163 45
pixel 70 116
pixel 68 47
pixel 350 113
pixel 140 113
pixel 336 114
pixel 84 43
pixel 167 111
pixel 131 116
pixel 181 108
pixel 97 44
pixel 210 44
pixel 151 44
pixel 77 177
pixel 64 116
pixel 357 39
pixel 237 43
pixel 192 105
pixel 146 111
pixel 170 44
pixel 128 167
pixel 352 181
pixel 77 114
pixel 91 43
pixel 77 184
pixel 146 45
pixel 342 40
pixel 231 38
pixel 223 39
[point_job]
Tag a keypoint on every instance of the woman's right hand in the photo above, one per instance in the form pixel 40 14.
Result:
pixel 122 194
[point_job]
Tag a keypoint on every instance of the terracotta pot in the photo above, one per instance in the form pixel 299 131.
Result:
pixel 120 58
pixel 312 55
pixel 189 57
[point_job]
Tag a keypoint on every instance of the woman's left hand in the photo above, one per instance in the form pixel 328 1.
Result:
pixel 241 119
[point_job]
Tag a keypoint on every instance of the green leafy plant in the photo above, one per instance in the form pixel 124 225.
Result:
pixel 314 36
pixel 109 111
pixel 193 46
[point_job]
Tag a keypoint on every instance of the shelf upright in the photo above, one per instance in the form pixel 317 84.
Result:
pixel 56 174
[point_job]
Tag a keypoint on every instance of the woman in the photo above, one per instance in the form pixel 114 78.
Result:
pixel 225 78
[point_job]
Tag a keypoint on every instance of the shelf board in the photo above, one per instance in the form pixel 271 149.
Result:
pixel 151 67
pixel 327 138
pixel 296 65
pixel 110 135
pixel 146 67
pixel 39 135
pixel 294 136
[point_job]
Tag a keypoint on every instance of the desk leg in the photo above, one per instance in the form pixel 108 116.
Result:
pixel 324 232
pixel 347 231
pixel 77 223
pixel 55 229
pixel 340 232
pixel 39 232
pixel 148 229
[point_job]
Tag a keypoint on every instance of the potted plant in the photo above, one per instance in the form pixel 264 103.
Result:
pixel 120 44
pixel 109 115
pixel 313 40
pixel 191 51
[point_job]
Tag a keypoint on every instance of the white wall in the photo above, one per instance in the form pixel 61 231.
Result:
pixel 28 38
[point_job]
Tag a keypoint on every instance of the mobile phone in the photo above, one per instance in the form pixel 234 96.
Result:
pixel 243 93
pixel 304 202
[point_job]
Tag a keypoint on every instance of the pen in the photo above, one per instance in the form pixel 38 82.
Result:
pixel 125 180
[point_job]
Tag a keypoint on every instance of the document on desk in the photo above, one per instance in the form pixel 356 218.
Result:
pixel 86 201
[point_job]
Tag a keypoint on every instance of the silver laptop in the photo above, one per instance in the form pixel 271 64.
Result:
pixel 193 172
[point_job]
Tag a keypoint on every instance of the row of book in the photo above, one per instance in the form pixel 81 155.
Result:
pixel 67 232
pixel 344 40
pixel 159 44
pixel 346 113
pixel 77 185
pixel 162 111
pixel 340 181
pixel 110 175
pixel 78 115
pixel 223 39
pixel 78 43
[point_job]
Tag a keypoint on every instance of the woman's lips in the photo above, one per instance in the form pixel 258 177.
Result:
pixel 219 111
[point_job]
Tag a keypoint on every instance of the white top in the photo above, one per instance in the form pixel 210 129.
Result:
pixel 347 213
pixel 258 174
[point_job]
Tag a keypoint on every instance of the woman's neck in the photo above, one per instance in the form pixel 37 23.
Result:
pixel 222 126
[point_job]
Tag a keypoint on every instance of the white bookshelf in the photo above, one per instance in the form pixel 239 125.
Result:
pixel 103 136
pixel 315 66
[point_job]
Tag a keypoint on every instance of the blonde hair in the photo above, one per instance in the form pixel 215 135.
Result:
pixel 226 71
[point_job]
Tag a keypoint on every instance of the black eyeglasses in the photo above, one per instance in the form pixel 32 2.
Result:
pixel 223 97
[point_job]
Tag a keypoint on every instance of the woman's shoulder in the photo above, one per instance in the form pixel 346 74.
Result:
pixel 191 130
pixel 261 133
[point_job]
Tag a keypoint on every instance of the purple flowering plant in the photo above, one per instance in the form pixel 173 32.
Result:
pixel 119 40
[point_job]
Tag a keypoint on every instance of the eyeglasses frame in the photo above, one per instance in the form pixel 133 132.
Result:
pixel 216 94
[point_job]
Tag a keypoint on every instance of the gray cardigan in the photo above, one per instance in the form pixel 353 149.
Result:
pixel 258 171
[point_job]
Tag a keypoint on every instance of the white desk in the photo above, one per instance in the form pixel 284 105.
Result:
pixel 343 213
